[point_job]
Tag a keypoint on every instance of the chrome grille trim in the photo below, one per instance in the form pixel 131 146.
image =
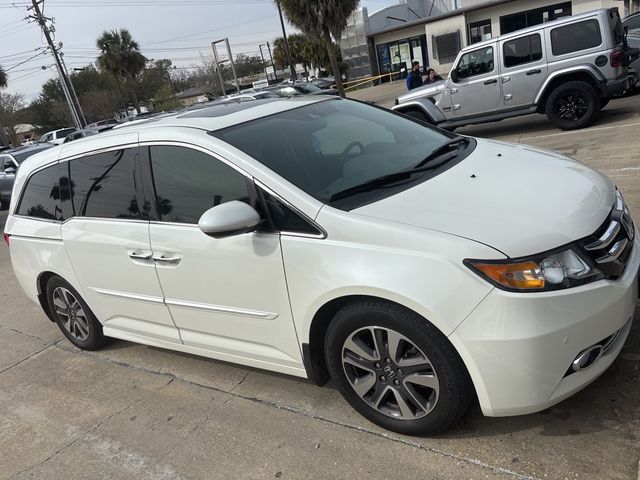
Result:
pixel 614 252
pixel 607 237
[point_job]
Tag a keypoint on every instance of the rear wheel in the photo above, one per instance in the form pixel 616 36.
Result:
pixel 73 316
pixel 573 105
pixel 396 369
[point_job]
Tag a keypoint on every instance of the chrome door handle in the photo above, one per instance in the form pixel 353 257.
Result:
pixel 454 90
pixel 167 259
pixel 534 72
pixel 140 255
pixel 491 81
pixel 506 79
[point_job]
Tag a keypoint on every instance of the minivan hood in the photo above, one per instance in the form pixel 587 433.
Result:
pixel 515 198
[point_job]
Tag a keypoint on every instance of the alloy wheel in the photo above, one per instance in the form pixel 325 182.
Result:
pixel 71 314
pixel 572 106
pixel 390 373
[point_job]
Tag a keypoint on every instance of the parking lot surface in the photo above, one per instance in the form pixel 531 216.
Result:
pixel 130 411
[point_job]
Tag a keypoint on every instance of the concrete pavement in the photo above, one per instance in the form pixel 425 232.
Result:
pixel 130 411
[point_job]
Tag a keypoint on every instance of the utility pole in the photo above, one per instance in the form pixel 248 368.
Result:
pixel 264 64
pixel 292 67
pixel 73 91
pixel 41 20
pixel 275 75
pixel 214 47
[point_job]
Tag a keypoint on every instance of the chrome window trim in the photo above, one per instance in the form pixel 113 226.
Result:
pixel 105 219
pixel 89 153
pixel 37 219
pixel 321 235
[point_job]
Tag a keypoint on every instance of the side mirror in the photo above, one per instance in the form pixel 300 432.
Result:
pixel 228 219
pixel 10 171
pixel 454 75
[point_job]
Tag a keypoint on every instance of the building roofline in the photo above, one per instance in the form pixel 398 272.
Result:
pixel 442 16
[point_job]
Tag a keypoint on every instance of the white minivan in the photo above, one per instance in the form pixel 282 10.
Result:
pixel 327 238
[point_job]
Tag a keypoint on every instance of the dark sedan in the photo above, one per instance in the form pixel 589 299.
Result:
pixel 10 161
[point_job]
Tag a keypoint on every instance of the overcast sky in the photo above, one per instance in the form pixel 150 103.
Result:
pixel 180 30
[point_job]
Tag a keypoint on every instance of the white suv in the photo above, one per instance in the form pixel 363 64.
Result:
pixel 57 137
pixel 329 238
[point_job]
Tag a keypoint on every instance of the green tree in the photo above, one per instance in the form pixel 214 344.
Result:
pixel 120 55
pixel 322 19
pixel 10 118
pixel 3 78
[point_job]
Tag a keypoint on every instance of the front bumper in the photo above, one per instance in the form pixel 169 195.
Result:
pixel 518 347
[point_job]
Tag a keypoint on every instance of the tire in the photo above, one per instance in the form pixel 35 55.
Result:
pixel 73 316
pixel 426 371
pixel 418 115
pixel 573 105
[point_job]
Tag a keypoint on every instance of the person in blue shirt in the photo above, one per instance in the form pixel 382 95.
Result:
pixel 414 79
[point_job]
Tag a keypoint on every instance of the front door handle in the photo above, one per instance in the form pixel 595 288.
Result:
pixel 489 82
pixel 167 259
pixel 534 72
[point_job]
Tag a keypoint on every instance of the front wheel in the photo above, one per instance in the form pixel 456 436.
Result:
pixel 396 369
pixel 573 105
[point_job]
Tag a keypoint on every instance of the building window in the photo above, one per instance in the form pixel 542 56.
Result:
pixel 522 50
pixel 479 31
pixel 446 47
pixel 518 21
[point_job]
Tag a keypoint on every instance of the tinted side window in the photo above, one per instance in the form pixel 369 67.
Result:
pixel 633 24
pixel 189 182
pixel 522 50
pixel 104 185
pixel 43 196
pixel 475 63
pixel 575 37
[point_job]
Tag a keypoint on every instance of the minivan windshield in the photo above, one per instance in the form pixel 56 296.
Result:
pixel 331 148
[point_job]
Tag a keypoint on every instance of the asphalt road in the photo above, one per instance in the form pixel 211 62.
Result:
pixel 130 411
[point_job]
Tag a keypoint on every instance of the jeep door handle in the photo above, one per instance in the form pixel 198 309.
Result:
pixel 534 72
pixel 489 82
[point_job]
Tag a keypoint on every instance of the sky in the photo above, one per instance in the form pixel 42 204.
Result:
pixel 180 30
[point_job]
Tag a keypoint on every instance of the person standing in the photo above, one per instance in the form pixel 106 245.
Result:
pixel 432 76
pixel 414 79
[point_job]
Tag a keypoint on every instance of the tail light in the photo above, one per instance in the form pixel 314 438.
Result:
pixel 6 237
pixel 616 58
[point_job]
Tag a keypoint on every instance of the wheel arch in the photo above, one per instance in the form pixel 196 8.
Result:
pixel 584 74
pixel 313 351
pixel 422 105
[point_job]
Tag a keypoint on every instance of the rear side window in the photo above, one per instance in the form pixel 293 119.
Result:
pixel 46 194
pixel 575 37
pixel 65 133
pixel 104 185
pixel 189 182
pixel 522 50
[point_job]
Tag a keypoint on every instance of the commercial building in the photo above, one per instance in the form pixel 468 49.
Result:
pixel 383 42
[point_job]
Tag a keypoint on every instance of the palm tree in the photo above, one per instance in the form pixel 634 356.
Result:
pixel 120 55
pixel 3 78
pixel 322 19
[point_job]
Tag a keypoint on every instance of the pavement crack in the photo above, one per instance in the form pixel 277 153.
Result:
pixel 15 330
pixel 298 411
pixel 90 430
pixel 25 359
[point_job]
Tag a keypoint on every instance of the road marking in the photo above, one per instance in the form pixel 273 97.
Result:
pixel 596 129
pixel 624 169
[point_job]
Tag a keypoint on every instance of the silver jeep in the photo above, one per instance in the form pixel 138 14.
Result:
pixel 568 68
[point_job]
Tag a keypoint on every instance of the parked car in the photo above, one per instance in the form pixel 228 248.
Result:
pixel 299 88
pixel 632 26
pixel 327 238
pixel 567 68
pixel 103 123
pixel 10 161
pixel 324 82
pixel 56 136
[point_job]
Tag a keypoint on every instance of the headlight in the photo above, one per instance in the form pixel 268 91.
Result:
pixel 550 271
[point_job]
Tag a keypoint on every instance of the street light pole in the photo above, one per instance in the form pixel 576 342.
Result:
pixel 292 67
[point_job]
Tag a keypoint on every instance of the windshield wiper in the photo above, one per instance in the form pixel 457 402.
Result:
pixel 442 149
pixel 394 179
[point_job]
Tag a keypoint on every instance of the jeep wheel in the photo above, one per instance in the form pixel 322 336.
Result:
pixel 573 105
pixel 396 369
